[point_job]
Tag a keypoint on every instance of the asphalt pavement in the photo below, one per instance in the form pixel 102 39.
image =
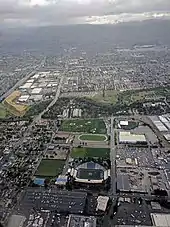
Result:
pixel 113 158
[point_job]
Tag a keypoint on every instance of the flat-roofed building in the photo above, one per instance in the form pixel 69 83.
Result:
pixel 124 123
pixel 36 90
pixel 160 219
pixel 102 202
pixel 26 85
pixel 23 98
pixel 81 221
pixel 16 221
pixel 128 137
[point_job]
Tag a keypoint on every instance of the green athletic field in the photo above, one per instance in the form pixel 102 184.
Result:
pixel 90 152
pixel 90 174
pixel 93 137
pixel 50 168
pixel 96 126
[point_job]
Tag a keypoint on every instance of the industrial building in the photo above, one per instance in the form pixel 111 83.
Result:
pixel 159 122
pixel 16 221
pixel 160 219
pixel 36 90
pixel 128 137
pixel 81 221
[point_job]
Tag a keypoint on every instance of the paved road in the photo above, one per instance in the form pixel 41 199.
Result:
pixel 37 118
pixel 20 82
pixel 113 158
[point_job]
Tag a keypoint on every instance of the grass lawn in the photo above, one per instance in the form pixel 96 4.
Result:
pixel 92 137
pixel 50 168
pixel 3 112
pixel 96 126
pixel 90 152
pixel 110 97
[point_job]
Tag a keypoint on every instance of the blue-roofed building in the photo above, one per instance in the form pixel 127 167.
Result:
pixel 61 180
pixel 39 181
pixel 91 165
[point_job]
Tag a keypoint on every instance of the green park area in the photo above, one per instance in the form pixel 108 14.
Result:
pixel 130 96
pixel 95 126
pixel 107 97
pixel 50 168
pixel 90 152
pixel 92 137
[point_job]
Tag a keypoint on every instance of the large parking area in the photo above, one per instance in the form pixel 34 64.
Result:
pixel 135 156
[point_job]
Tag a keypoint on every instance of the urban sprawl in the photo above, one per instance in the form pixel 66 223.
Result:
pixel 85 140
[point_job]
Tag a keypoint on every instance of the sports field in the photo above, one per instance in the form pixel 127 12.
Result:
pixel 90 152
pixel 95 126
pixel 3 112
pixel 92 137
pixel 90 174
pixel 50 168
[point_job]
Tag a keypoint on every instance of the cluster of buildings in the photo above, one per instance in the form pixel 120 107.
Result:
pixel 122 69
pixel 39 87
pixel 14 68
pixel 162 124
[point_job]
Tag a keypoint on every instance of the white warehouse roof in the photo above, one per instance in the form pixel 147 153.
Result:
pixel 23 98
pixel 128 137
pixel 124 123
pixel 36 97
pixel 26 85
pixel 160 219
pixel 167 137
pixel 36 90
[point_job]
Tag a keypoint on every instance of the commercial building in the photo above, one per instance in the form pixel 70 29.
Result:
pixel 102 202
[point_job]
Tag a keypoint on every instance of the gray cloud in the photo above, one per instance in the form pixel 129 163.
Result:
pixel 43 12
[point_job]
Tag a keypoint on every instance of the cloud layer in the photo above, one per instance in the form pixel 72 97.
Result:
pixel 49 12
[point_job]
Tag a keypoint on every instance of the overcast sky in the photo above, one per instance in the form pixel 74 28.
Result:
pixel 44 12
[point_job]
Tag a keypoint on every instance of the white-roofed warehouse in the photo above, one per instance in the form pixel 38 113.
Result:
pixel 128 137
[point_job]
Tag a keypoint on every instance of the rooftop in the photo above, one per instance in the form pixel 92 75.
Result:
pixel 81 221
pixel 131 138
